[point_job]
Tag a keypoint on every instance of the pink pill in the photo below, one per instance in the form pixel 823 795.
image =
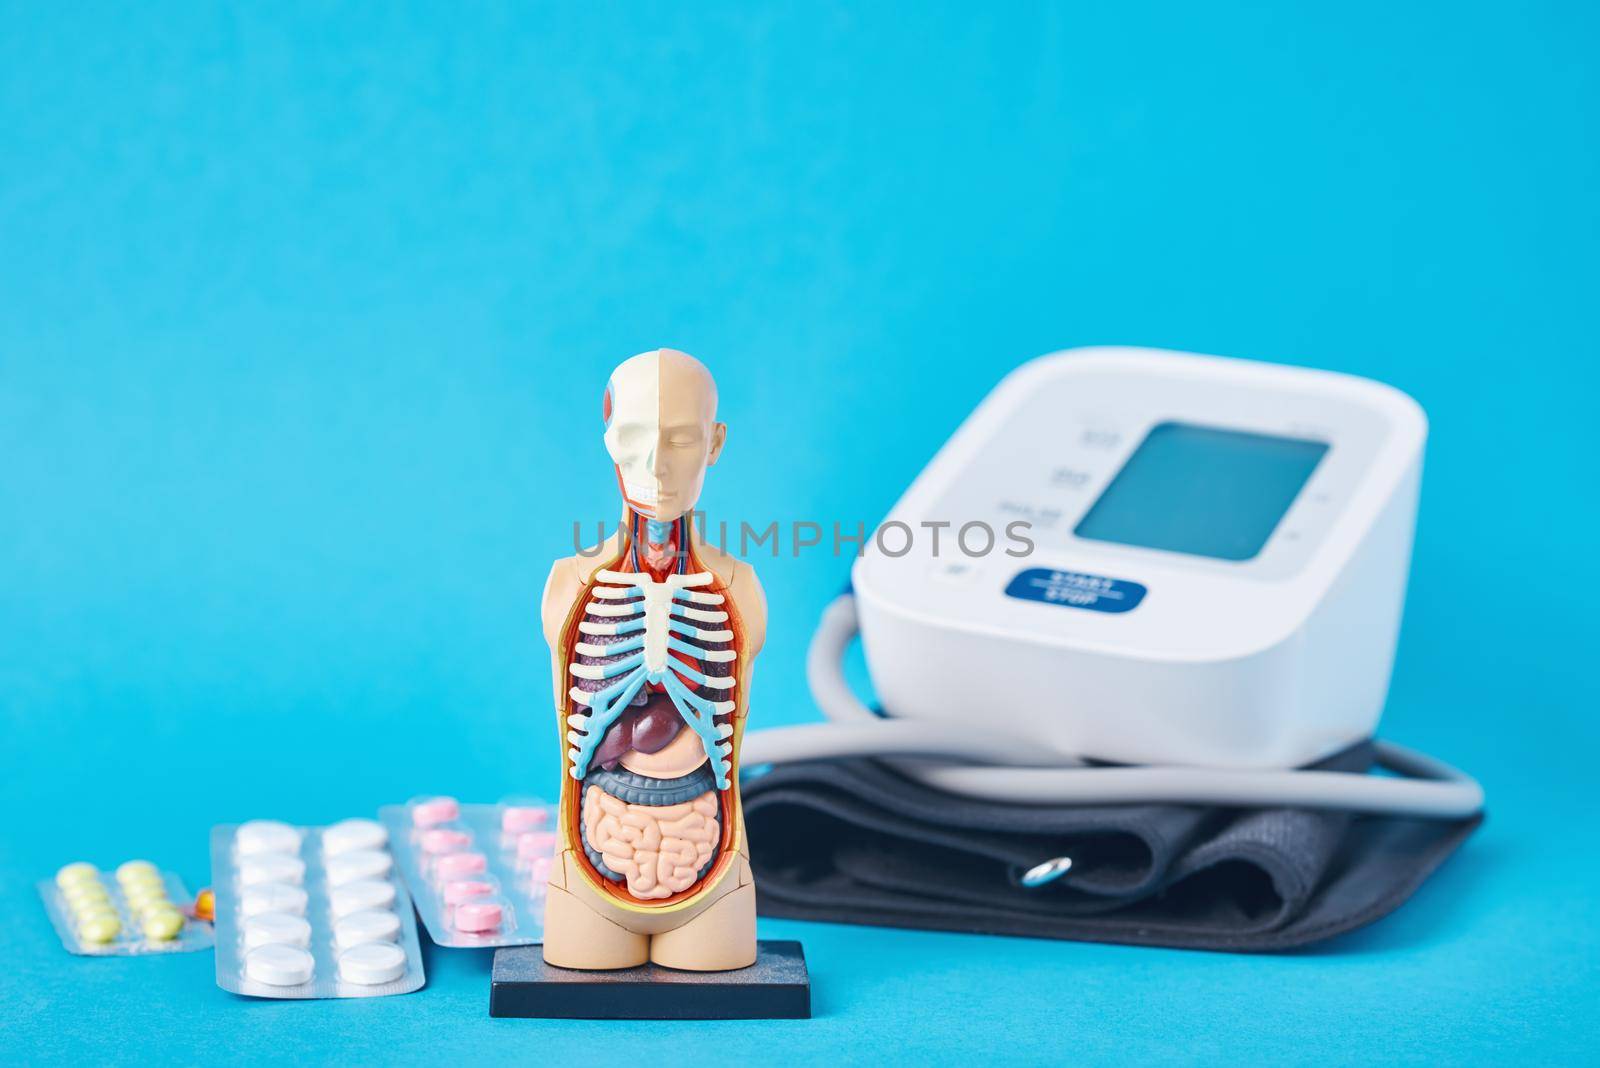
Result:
pixel 456 865
pixel 522 818
pixel 443 841
pixel 465 890
pixel 535 844
pixel 434 811
pixel 540 871
pixel 479 916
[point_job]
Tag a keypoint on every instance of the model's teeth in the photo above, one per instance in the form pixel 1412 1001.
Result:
pixel 642 492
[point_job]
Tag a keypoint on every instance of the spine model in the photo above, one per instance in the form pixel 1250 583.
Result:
pixel 652 636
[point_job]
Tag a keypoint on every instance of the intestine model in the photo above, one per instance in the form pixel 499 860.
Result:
pixel 652 635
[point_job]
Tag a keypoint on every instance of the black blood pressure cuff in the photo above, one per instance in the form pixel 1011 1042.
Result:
pixel 853 841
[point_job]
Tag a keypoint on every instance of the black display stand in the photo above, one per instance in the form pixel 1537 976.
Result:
pixel 776 987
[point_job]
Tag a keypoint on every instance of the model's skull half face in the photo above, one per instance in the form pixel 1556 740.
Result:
pixel 662 431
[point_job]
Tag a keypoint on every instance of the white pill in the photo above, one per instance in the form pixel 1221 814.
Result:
pixel 358 864
pixel 361 894
pixel 271 868
pixel 372 963
pixel 266 836
pixel 279 965
pixel 272 897
pixel 354 834
pixel 278 928
pixel 368 925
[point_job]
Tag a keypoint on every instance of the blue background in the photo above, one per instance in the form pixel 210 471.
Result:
pixel 304 316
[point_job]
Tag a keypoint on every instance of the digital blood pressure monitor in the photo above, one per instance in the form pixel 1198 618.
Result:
pixel 1194 561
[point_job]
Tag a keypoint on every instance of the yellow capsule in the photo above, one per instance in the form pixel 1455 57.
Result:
pixel 79 871
pixel 85 893
pixel 137 870
pixel 152 908
pixel 162 925
pixel 146 890
pixel 136 895
pixel 100 930
pixel 88 886
pixel 90 913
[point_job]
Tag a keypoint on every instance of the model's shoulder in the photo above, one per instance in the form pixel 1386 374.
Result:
pixel 566 582
pixel 720 562
pixel 581 567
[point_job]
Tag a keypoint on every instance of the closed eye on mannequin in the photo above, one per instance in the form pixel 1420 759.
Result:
pixel 684 437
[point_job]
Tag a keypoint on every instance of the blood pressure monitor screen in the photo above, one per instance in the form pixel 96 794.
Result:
pixel 1202 490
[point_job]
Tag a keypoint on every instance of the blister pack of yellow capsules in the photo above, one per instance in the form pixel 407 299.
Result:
pixel 137 909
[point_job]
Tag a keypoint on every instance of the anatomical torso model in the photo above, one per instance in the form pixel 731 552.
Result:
pixel 652 636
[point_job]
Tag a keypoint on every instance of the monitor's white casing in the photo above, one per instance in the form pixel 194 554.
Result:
pixel 1272 662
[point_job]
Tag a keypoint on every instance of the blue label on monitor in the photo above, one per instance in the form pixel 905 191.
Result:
pixel 1076 590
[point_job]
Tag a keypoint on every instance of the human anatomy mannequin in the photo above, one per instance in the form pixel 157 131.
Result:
pixel 652 636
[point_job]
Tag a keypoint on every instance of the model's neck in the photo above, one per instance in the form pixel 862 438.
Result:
pixel 658 545
pixel 659 531
pixel 655 531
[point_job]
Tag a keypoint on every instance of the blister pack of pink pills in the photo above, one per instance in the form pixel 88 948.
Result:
pixel 312 912
pixel 478 873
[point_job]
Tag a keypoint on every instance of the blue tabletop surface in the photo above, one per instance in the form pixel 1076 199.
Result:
pixel 304 316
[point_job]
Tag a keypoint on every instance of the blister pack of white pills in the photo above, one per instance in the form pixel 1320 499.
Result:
pixel 140 909
pixel 478 873
pixel 312 912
